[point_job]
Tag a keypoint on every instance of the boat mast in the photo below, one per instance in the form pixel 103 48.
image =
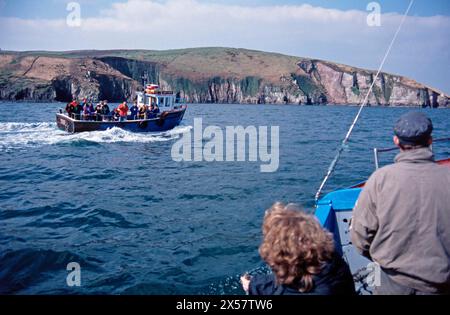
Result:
pixel 144 78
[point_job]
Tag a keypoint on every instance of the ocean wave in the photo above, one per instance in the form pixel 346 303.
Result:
pixel 20 269
pixel 16 135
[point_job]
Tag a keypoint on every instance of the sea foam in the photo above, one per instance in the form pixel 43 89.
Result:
pixel 16 135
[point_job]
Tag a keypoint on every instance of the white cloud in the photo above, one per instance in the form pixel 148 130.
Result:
pixel 422 49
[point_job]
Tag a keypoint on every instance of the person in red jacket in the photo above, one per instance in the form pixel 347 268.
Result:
pixel 70 109
pixel 123 111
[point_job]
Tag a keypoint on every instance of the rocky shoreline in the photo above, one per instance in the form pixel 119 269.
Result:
pixel 204 75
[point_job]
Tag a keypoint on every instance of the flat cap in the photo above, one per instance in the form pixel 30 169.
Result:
pixel 413 128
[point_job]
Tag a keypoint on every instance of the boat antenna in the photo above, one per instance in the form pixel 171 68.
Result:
pixel 333 164
pixel 144 78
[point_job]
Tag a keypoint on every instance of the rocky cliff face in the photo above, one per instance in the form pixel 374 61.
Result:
pixel 37 78
pixel 215 75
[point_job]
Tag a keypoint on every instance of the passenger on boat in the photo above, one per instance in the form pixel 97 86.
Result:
pixel 99 111
pixel 123 111
pixel 149 113
pixel 70 108
pixel 105 109
pixel 88 110
pixel 402 217
pixel 142 111
pixel 77 111
pixel 115 114
pixel 134 111
pixel 92 109
pixel 84 103
pixel 155 109
pixel 301 255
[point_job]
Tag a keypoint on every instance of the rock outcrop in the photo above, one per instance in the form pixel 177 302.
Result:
pixel 204 75
pixel 39 78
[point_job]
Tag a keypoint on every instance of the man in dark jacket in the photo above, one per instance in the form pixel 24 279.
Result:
pixel 105 109
pixel 402 218
pixel 134 111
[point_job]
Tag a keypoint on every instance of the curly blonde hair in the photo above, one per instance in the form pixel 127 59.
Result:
pixel 295 246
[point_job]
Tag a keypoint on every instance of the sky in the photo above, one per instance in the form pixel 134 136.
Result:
pixel 334 30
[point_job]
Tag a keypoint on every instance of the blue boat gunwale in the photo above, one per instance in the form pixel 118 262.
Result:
pixel 336 201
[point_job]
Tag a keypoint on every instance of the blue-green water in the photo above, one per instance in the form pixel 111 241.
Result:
pixel 138 222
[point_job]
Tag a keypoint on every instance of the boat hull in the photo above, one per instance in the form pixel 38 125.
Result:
pixel 167 121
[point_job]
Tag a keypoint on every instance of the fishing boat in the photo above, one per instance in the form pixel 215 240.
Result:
pixel 334 211
pixel 170 115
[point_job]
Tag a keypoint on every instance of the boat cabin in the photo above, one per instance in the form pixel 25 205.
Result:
pixel 154 96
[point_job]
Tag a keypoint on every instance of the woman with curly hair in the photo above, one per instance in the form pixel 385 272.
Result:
pixel 301 255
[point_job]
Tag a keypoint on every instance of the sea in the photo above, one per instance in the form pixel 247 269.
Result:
pixel 137 222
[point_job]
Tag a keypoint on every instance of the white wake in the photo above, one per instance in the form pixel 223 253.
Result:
pixel 15 135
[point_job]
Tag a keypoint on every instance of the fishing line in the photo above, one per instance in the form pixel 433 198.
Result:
pixel 333 164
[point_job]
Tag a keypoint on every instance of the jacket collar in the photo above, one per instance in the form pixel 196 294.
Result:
pixel 420 155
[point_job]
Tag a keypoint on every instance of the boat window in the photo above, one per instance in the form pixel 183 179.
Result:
pixel 140 99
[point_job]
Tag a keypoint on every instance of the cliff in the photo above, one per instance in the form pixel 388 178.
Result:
pixel 203 75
